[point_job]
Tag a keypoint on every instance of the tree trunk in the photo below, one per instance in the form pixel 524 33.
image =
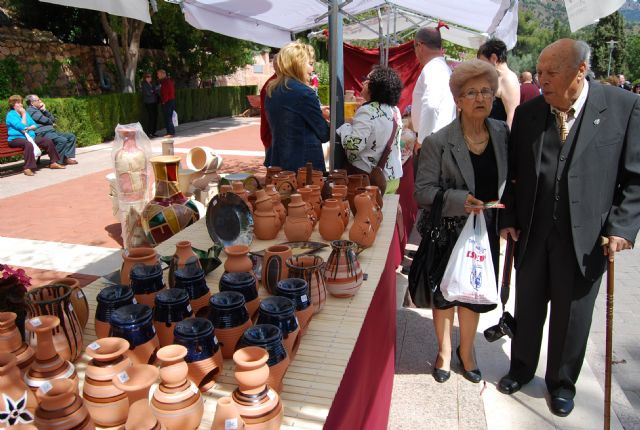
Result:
pixel 112 36
pixel 132 56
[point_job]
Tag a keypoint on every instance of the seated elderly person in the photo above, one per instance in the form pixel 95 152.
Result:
pixel 20 128
pixel 65 142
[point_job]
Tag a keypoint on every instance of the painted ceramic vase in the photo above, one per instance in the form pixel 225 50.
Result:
pixel 136 381
pixel 331 220
pixel 78 299
pixel 19 403
pixel 310 268
pixel 48 364
pixel 245 284
pixel 184 255
pixel 172 306
pixel 176 402
pixel 191 278
pixel 109 299
pixel 269 337
pixel 11 341
pixel 230 318
pixel 61 408
pixel 107 404
pixel 133 256
pixel 363 230
pixel 342 273
pixel 281 312
pixel 169 211
pixel 204 354
pixel 131 168
pixel 274 266
pixel 297 290
pixel 56 300
pixel 146 281
pixel 298 226
pixel 237 259
pixel 134 323
pixel 227 415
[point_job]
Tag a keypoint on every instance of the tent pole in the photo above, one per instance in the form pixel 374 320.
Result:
pixel 381 38
pixel 336 88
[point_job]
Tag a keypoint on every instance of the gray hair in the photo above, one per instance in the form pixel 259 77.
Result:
pixel 430 37
pixel 582 53
pixel 30 98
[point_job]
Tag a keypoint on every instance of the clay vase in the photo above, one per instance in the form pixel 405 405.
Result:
pixel 298 226
pixel 331 224
pixel 237 259
pixel 258 404
pixel 146 281
pixel 297 290
pixel 61 408
pixel 281 312
pixel 191 278
pixel 266 222
pixel 245 284
pixel 277 203
pixel 306 196
pixel 48 365
pixel 184 254
pixel 309 268
pixel 19 403
pixel 376 198
pixel 269 337
pixel 172 306
pixel 271 171
pixel 131 168
pixel 375 194
pixel 134 323
pixel 204 354
pixel 107 404
pixel 315 199
pixel 56 300
pixel 109 299
pixel 169 211
pixel 237 187
pixel 274 266
pixel 339 193
pixel 230 318
pixel 78 299
pixel 134 256
pixel 176 403
pixel 363 231
pixel 342 273
pixel 227 415
pixel 11 342
pixel 136 381
pixel 354 182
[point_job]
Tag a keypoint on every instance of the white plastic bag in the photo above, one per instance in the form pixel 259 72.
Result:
pixel 469 276
pixel 174 118
pixel 36 149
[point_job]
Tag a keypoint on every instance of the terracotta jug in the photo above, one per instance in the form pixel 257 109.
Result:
pixel 274 266
pixel 277 203
pixel 376 198
pixel 331 221
pixel 136 381
pixel 362 229
pixel 61 408
pixel 184 254
pixel 339 193
pixel 134 256
pixel 141 418
pixel 131 167
pixel 11 341
pixel 227 416
pixel 204 353
pixel 19 403
pixel 307 197
pixel 375 194
pixel 309 268
pixel 342 273
pixel 48 364
pixel 237 187
pixel 269 337
pixel 107 404
pixel 177 402
pixel 271 171
pixel 230 317
pixel 266 222
pixel 354 182
pixel 78 299
pixel 315 199
pixel 298 226
pixel 237 259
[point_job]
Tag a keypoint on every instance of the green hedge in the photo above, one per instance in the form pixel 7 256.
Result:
pixel 93 119
pixel 323 93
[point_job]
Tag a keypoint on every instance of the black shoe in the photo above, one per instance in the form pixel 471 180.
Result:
pixel 441 375
pixel 560 406
pixel 508 385
pixel 411 254
pixel 470 375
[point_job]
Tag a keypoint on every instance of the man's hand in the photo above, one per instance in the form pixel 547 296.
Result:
pixel 509 231
pixel 43 107
pixel 472 201
pixel 616 244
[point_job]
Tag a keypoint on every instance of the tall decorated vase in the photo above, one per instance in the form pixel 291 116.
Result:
pixel 169 211
pixel 131 167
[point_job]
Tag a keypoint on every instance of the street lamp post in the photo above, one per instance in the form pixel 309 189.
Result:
pixel 611 44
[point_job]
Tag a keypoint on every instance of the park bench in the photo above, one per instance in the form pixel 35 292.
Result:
pixel 254 106
pixel 5 150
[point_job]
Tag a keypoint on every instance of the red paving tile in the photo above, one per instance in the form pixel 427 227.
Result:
pixel 246 138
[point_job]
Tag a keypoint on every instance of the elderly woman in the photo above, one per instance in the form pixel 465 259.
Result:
pixel 19 126
pixel 467 160
pixel 298 127
pixel 376 123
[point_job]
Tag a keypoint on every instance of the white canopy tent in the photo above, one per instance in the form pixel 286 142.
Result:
pixel 136 9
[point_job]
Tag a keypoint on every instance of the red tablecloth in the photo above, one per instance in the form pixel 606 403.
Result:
pixel 406 202
pixel 364 396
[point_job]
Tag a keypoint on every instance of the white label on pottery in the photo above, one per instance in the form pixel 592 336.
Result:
pixel 231 424
pixel 215 339
pixel 79 294
pixel 271 394
pixel 45 387
pixel 188 308
pixel 35 322
pixel 94 346
pixel 194 388
pixel 303 298
pixel 134 301
pixel 70 307
pixel 123 377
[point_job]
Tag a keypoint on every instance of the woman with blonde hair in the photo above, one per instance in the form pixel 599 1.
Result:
pixel 298 127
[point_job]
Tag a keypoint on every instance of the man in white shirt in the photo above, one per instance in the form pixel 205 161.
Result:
pixel 432 105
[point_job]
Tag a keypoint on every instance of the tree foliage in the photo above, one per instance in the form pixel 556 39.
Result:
pixel 609 28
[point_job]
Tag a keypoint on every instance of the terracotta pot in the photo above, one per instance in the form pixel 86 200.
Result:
pixel 78 299
pixel 315 199
pixel 309 268
pixel 375 194
pixel 192 280
pixel 203 159
pixel 354 182
pixel 184 254
pixel 11 341
pixel 340 194
pixel 172 306
pixel 19 405
pixel 308 199
pixel 269 337
pixel 277 204
pixel 298 291
pixel 131 168
pixel 251 370
pixel 134 256
pixel 316 177
pixel 271 171
pixel 136 381
pixel 280 311
pixel 109 299
pixel 266 222
pixel 48 365
pixel 245 284
pixel 56 300
pixel 146 281
pixel 331 223
pixel 342 273
pixel 298 226
pixel 363 231
pixel 204 354
pixel 237 187
pixel 237 259
pixel 134 323
pixel 274 266
pixel 376 198
pixel 107 404
pixel 227 415
pixel 62 409
pixel 229 315
pixel 141 417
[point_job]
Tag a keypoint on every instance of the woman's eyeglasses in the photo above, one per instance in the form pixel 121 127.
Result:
pixel 486 93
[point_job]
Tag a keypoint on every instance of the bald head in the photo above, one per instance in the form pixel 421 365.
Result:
pixel 569 52
pixel 525 77
pixel 430 37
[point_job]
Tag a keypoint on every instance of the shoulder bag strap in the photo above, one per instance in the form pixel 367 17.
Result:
pixel 387 149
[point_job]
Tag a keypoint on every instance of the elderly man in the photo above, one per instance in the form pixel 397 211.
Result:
pixel 528 90
pixel 574 176
pixel 65 142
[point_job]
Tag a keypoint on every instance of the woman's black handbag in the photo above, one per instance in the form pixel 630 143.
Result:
pixel 439 236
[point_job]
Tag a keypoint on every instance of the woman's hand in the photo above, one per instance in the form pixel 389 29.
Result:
pixel 471 205
pixel 21 111
pixel 326 112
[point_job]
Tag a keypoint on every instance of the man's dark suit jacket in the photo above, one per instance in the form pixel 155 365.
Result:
pixel 603 175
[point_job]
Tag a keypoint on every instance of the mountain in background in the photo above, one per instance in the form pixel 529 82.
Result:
pixel 549 10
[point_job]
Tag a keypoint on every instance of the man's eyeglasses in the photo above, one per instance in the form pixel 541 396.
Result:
pixel 487 93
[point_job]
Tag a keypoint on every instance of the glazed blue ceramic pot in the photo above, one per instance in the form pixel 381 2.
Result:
pixel 297 290
pixel 172 306
pixel 227 310
pixel 266 336
pixel 192 279
pixel 146 279
pixel 279 311
pixel 241 282
pixel 133 323
pixel 196 334
pixel 109 299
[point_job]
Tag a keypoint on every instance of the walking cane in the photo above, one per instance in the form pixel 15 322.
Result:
pixel 609 339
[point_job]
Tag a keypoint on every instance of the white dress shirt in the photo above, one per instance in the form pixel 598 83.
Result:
pixel 576 107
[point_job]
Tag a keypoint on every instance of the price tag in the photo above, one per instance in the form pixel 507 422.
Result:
pixel 46 387
pixel 134 301
pixel 231 424
pixel 365 276
pixel 189 308
pixel 123 377
pixel 79 294
pixel 304 298
pixel 94 346
pixel 35 322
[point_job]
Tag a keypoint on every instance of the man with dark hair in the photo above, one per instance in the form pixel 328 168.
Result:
pixel 168 101
pixel 65 142
pixel 574 177
pixel 507 97
pixel 528 90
